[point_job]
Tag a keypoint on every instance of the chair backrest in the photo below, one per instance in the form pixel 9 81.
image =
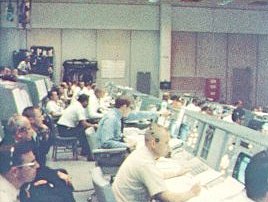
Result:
pixel 51 125
pixel 93 141
pixel 102 186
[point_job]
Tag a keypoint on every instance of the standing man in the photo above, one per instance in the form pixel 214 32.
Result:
pixel 18 166
pixel 139 179
pixel 73 123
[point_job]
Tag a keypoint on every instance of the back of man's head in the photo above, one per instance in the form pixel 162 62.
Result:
pixel 256 176
pixel 238 114
pixel 29 111
pixel 82 98
pixel 121 101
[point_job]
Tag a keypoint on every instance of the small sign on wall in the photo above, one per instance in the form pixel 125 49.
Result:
pixel 113 68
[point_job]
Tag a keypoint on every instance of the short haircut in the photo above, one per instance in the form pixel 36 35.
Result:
pixel 238 114
pixel 155 131
pixel 29 111
pixel 10 155
pixel 256 176
pixel 16 123
pixel 121 101
pixel 82 98
pixel 50 93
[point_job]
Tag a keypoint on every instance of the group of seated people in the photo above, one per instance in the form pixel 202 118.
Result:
pixel 24 174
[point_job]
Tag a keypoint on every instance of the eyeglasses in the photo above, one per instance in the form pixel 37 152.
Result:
pixel 31 164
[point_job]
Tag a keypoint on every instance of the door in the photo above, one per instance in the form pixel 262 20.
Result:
pixel 242 86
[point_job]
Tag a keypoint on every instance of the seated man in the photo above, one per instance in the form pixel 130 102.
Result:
pixel 139 179
pixel 94 107
pixel 54 106
pixel 18 166
pixel 238 115
pixel 256 176
pixel 73 123
pixel 110 129
pixel 19 127
pixel 43 139
pixel 24 67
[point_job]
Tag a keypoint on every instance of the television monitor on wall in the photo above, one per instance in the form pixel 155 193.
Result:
pixel 165 85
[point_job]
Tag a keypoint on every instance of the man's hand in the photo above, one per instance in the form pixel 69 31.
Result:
pixel 131 144
pixel 195 190
pixel 65 177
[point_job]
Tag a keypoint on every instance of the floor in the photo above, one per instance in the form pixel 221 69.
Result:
pixel 80 173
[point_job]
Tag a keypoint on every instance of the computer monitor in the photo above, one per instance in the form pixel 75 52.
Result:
pixel 14 98
pixel 36 86
pixel 48 82
pixel 174 128
pixel 209 134
pixel 240 167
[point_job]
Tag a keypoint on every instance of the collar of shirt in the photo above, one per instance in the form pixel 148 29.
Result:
pixel 118 113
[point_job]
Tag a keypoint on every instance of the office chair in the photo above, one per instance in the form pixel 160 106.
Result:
pixel 103 188
pixel 61 144
pixel 108 159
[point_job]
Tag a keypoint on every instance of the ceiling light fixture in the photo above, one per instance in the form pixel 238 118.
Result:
pixel 224 2
pixel 153 1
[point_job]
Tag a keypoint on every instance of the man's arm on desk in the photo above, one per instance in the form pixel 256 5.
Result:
pixel 167 196
pixel 169 173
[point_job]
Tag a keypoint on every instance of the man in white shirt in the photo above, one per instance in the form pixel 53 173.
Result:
pixel 73 122
pixel 94 107
pixel 54 107
pixel 24 66
pixel 140 180
pixel 18 166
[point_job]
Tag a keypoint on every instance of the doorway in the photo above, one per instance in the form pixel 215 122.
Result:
pixel 242 86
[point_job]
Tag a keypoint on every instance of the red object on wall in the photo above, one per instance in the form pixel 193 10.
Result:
pixel 212 89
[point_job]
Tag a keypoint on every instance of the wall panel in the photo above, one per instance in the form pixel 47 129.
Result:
pixel 183 52
pixel 145 57
pixel 262 72
pixel 79 44
pixel 10 40
pixel 114 45
pixel 242 51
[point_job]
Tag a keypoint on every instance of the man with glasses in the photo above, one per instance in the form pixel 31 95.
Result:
pixel 19 127
pixel 140 180
pixel 18 166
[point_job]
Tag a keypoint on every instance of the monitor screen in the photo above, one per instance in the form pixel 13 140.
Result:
pixel 41 88
pixel 240 167
pixel 209 134
pixel 174 129
pixel 22 99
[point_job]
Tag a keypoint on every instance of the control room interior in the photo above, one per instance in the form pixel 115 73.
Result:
pixel 211 50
